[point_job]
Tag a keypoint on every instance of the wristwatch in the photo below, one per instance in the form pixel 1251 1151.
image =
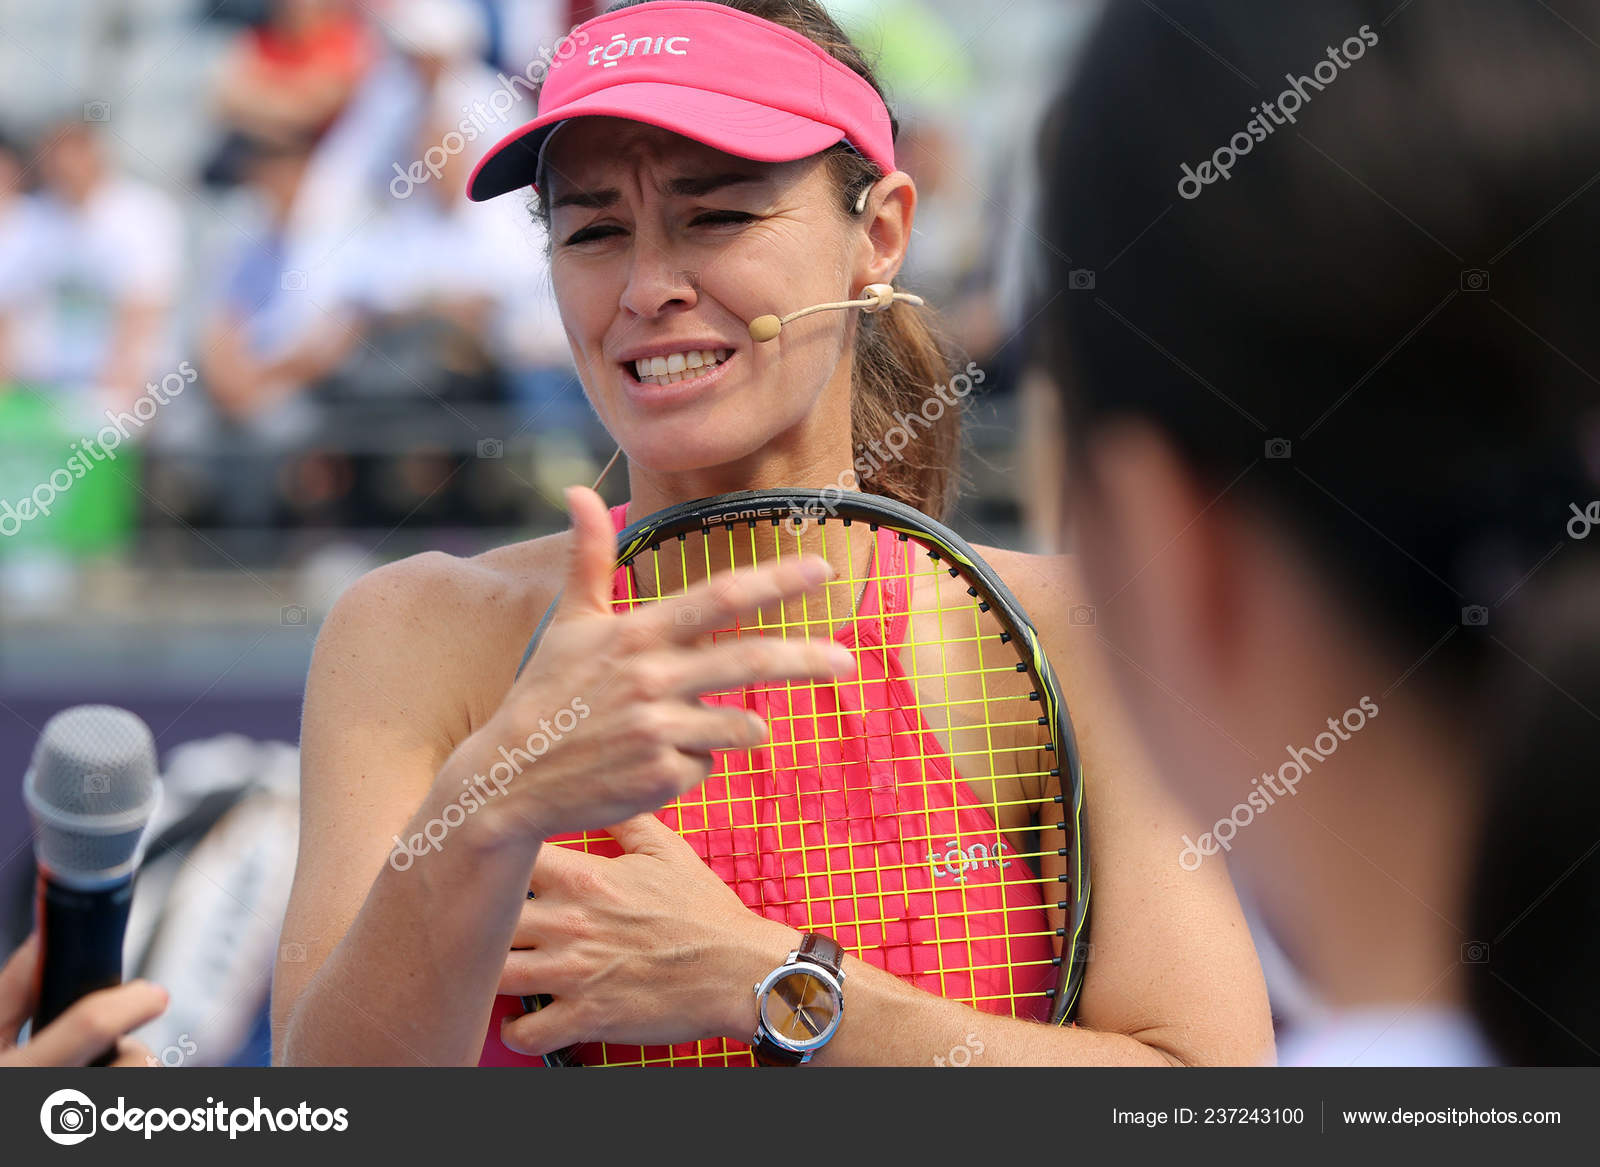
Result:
pixel 799 1004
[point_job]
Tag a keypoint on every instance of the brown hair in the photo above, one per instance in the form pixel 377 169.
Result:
pixel 902 355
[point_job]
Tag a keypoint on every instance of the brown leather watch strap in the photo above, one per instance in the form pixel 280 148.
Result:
pixel 823 950
pixel 770 1053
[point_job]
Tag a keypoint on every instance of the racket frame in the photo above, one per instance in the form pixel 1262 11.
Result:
pixel 803 507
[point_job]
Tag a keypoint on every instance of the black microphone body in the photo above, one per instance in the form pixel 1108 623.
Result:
pixel 80 946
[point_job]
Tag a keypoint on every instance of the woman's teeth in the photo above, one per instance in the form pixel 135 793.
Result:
pixel 684 366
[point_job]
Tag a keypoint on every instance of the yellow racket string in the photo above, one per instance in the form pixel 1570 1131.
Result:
pixel 978 728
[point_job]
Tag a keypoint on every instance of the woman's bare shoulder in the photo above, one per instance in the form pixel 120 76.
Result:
pixel 1057 599
pixel 439 633
pixel 443 597
pixel 1048 586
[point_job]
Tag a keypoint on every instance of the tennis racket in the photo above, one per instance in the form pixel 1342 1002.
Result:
pixel 926 813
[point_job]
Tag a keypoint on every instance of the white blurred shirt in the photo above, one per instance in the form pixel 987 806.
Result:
pixel 418 252
pixel 1378 1037
pixel 19 251
pixel 125 243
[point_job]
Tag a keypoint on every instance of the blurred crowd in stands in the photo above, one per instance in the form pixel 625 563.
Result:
pixel 311 329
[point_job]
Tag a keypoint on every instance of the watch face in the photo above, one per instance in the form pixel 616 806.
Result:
pixel 799 1008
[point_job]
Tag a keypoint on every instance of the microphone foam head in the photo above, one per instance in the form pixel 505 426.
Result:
pixel 91 790
pixel 764 328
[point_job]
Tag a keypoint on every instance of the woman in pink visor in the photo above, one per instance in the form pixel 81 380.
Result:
pixel 698 166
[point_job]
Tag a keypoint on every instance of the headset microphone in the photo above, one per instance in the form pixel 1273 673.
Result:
pixel 875 298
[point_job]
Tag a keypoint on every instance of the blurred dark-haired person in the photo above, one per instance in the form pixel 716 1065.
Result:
pixel 1333 396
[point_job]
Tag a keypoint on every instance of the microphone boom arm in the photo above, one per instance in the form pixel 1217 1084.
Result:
pixel 875 298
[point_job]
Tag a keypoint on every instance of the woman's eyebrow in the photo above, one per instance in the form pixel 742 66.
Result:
pixel 590 199
pixel 702 185
pixel 697 186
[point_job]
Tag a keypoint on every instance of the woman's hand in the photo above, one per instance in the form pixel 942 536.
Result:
pixel 606 720
pixel 84 1031
pixel 649 948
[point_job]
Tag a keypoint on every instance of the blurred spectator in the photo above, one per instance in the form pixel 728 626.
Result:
pixel 430 69
pixel 17 240
pixel 324 316
pixel 376 304
pixel 290 75
pixel 265 343
pixel 38 427
pixel 432 257
pixel 383 223
pixel 96 320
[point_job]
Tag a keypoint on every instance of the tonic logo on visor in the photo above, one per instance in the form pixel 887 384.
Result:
pixel 619 46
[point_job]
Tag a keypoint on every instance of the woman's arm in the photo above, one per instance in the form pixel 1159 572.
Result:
pixel 369 953
pixel 397 961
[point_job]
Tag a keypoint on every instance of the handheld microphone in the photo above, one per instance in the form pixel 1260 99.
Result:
pixel 91 790
pixel 875 298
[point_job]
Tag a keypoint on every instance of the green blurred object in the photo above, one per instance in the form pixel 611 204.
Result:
pixel 96 514
pixel 921 61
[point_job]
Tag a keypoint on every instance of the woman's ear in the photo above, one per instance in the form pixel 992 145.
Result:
pixel 890 210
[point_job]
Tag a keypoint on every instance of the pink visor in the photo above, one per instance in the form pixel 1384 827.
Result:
pixel 733 81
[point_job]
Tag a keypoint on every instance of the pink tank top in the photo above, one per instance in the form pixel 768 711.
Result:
pixel 850 821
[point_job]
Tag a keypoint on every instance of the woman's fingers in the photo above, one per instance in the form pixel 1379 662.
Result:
pixel 593 555
pixel 133 1053
pixel 750 660
pixel 542 1031
pixel 94 1025
pixel 732 598
pixel 532 923
pixel 700 729
pixel 17 990
pixel 528 972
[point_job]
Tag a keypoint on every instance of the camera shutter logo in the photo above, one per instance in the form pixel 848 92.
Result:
pixel 68 1117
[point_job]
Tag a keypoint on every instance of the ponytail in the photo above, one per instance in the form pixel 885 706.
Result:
pixel 902 361
pixel 1536 892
